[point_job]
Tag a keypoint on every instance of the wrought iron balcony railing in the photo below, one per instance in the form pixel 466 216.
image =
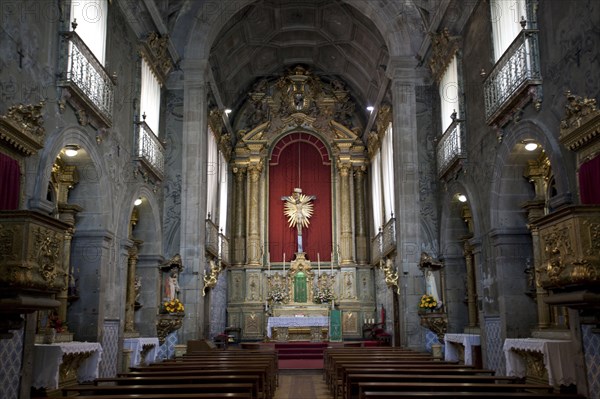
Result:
pixel 217 243
pixel 150 150
pixel 384 242
pixel 515 71
pixel 87 79
pixel 451 148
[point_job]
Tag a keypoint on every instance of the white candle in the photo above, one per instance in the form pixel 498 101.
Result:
pixel 332 263
pixel 269 262
pixel 284 263
pixel 318 264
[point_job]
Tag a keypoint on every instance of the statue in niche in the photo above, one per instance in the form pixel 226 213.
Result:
pixel 172 285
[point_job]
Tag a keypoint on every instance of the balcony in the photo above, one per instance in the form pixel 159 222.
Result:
pixel 384 242
pixel 509 84
pixel 150 151
pixel 451 149
pixel 89 88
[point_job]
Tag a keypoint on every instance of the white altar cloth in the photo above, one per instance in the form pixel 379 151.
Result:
pixel 558 356
pixel 468 341
pixel 136 345
pixel 312 321
pixel 48 358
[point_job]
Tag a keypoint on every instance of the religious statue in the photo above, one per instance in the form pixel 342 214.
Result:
pixel 172 286
pixel 298 210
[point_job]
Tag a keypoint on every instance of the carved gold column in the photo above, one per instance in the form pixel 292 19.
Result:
pixel 253 242
pixel 66 177
pixel 360 216
pixel 471 289
pixel 345 215
pixel 130 300
pixel 239 220
pixel 536 172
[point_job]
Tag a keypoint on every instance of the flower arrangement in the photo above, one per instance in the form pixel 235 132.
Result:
pixel 173 306
pixel 324 295
pixel 428 302
pixel 277 294
pixel 56 323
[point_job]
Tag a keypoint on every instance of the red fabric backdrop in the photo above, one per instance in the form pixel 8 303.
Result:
pixel 300 160
pixel 589 181
pixel 10 183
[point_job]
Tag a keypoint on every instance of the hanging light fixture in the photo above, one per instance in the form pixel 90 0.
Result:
pixel 138 202
pixel 461 197
pixel 71 150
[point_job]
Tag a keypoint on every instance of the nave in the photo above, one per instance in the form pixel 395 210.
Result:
pixel 348 373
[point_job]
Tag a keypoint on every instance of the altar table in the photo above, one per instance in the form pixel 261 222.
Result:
pixel 143 350
pixel 55 363
pixel 313 321
pixel 557 355
pixel 470 343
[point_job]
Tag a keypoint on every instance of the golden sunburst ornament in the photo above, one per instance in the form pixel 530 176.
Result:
pixel 298 209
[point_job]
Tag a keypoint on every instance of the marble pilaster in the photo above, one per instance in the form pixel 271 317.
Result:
pixel 362 242
pixel 345 215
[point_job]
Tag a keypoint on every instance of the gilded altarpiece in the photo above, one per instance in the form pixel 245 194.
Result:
pixel 302 104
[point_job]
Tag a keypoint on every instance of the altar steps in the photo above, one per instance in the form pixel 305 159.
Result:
pixel 300 350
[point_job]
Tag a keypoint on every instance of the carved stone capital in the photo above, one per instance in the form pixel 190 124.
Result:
pixel 23 128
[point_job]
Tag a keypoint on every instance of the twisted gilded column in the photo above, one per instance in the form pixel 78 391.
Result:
pixel 253 241
pixel 360 216
pixel 132 259
pixel 345 215
pixel 471 289
pixel 239 217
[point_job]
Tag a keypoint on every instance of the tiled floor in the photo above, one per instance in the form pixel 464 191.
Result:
pixel 308 385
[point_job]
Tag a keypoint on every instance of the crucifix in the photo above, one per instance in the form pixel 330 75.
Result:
pixel 21 55
pixel 298 209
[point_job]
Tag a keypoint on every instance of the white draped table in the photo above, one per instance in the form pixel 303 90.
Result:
pixel 557 354
pixel 468 341
pixel 143 350
pixel 283 321
pixel 48 359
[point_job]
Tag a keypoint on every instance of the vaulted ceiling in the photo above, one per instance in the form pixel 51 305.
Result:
pixel 247 40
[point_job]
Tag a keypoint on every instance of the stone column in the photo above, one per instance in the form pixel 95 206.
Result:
pixel 63 295
pixel 253 241
pixel 239 217
pixel 360 216
pixel 403 74
pixel 130 298
pixel 193 193
pixel 471 288
pixel 345 215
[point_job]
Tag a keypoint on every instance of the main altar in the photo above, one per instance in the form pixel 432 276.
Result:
pixel 299 302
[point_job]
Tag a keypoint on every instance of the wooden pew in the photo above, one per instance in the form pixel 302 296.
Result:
pixel 351 380
pixel 197 395
pixel 254 379
pixel 450 387
pixel 266 381
pixel 463 395
pixel 165 389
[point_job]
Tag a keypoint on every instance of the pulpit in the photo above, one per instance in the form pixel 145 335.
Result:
pixel 65 363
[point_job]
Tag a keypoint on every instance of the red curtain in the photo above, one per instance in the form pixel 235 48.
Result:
pixel 300 164
pixel 10 183
pixel 589 181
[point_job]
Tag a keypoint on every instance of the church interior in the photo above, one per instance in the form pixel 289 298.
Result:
pixel 420 175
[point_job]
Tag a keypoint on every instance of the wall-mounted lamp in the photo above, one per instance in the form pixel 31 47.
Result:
pixel 461 197
pixel 370 108
pixel 71 150
pixel 227 111
pixel 137 202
